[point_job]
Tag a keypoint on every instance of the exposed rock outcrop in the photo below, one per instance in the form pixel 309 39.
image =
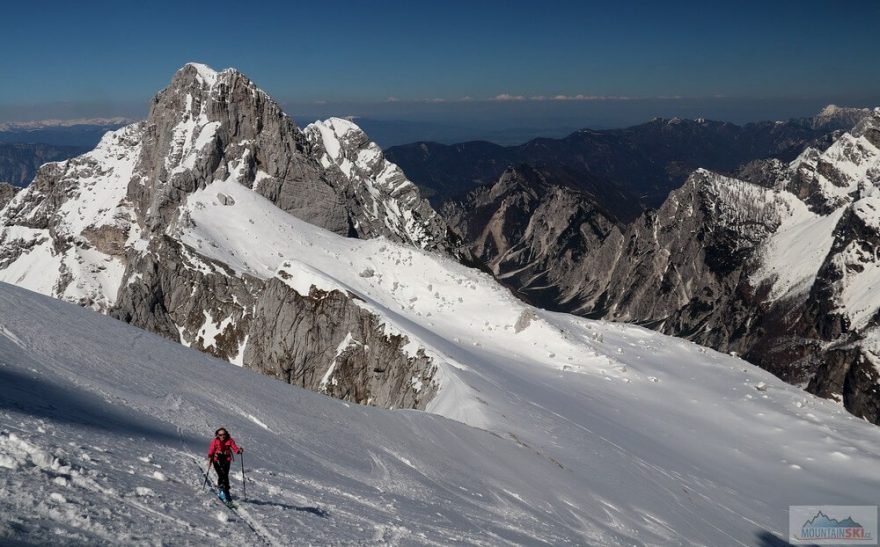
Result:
pixel 325 342
pixel 533 235
pixel 7 192
pixel 321 341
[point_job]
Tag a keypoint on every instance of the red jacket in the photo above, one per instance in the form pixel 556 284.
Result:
pixel 223 448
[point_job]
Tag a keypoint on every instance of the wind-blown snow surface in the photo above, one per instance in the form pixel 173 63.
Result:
pixel 642 440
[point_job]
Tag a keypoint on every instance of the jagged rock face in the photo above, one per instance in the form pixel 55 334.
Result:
pixel 105 230
pixel 325 342
pixel 559 249
pixel 7 192
pixel 209 125
pixel 781 268
pixel 321 341
pixel 174 291
pixel 529 233
pixel 388 201
pixel 769 173
pixel 688 254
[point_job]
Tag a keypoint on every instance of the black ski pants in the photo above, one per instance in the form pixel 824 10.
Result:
pixel 221 466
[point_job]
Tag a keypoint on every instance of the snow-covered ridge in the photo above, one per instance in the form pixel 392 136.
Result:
pixel 843 177
pixel 390 198
pixel 850 164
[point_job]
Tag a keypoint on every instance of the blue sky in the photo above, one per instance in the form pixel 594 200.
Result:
pixel 89 56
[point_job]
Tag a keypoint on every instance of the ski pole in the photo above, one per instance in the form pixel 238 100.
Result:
pixel 204 474
pixel 243 483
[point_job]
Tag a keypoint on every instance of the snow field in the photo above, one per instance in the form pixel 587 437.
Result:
pixel 321 471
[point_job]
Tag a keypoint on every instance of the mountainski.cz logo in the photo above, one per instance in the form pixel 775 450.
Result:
pixel 833 524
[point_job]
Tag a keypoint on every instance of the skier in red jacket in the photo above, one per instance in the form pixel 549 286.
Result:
pixel 220 455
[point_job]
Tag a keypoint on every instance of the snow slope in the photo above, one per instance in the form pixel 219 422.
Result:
pixel 793 255
pixel 638 439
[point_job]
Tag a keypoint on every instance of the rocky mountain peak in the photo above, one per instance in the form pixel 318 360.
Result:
pixel 839 117
pixel 198 77
pixel 193 76
pixel 122 229
pixel 209 125
pixel 203 72
pixel 830 110
pixel 522 177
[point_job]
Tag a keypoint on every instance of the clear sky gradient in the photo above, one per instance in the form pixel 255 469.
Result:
pixel 89 56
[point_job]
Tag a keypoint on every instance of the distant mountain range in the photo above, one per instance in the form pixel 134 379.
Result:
pixel 37 125
pixel 640 164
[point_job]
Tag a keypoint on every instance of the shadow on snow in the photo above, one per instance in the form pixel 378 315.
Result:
pixel 769 539
pixel 313 510
pixel 42 398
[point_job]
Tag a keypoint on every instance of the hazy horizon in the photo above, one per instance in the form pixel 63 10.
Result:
pixel 503 122
pixel 480 68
